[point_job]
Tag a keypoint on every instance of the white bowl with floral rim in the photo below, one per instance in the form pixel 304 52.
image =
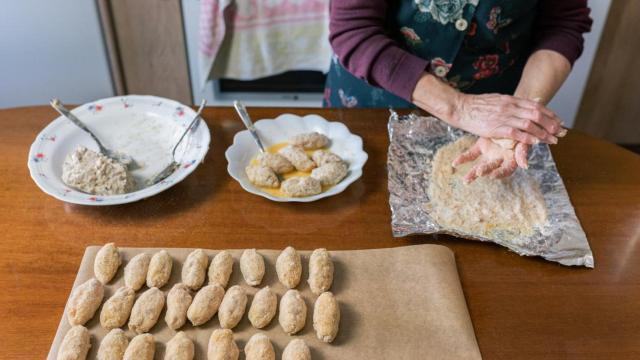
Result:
pixel 276 131
pixel 144 127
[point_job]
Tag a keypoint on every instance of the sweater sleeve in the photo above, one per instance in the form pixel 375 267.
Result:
pixel 560 26
pixel 359 39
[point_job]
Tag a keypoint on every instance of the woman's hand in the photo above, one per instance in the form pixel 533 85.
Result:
pixel 493 160
pixel 491 115
pixel 506 117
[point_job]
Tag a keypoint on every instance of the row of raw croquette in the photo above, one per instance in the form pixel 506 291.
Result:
pixel 143 313
pixel 155 270
pixel 222 346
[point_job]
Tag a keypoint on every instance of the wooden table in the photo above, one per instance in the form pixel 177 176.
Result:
pixel 521 307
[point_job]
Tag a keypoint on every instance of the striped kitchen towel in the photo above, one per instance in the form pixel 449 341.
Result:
pixel 250 39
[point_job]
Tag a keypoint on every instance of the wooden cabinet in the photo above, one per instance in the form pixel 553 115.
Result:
pixel 610 105
pixel 146 45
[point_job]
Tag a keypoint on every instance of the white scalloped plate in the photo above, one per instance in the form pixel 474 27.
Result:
pixel 273 131
pixel 145 127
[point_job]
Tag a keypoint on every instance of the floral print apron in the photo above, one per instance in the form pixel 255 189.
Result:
pixel 477 46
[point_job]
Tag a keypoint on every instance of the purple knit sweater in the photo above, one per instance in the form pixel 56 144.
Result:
pixel 358 37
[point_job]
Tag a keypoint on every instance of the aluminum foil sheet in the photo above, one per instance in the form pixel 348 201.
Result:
pixel 414 141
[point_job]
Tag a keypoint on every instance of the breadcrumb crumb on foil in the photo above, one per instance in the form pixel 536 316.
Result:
pixel 414 142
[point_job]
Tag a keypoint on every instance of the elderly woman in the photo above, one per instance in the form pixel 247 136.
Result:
pixel 484 66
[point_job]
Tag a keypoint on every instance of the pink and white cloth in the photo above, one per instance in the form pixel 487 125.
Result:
pixel 250 39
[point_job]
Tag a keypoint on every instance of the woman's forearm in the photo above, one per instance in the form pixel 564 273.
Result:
pixel 359 36
pixel 488 115
pixel 436 97
pixel 544 73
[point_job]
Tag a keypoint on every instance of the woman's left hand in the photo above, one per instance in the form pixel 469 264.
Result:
pixel 493 160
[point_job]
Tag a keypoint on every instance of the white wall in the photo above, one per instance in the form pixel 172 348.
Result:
pixel 567 101
pixel 51 49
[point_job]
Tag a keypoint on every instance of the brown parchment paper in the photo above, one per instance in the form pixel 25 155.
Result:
pixel 399 303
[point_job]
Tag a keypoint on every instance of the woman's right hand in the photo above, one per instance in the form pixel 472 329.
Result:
pixel 506 117
pixel 493 160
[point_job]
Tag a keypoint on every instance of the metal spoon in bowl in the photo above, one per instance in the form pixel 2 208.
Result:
pixel 174 164
pixel 246 120
pixel 115 155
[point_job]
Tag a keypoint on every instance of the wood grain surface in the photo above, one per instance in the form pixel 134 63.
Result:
pixel 521 308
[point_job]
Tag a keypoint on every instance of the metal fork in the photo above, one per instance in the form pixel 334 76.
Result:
pixel 174 164
pixel 115 155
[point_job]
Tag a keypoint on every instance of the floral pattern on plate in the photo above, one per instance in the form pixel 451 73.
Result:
pixel 111 116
